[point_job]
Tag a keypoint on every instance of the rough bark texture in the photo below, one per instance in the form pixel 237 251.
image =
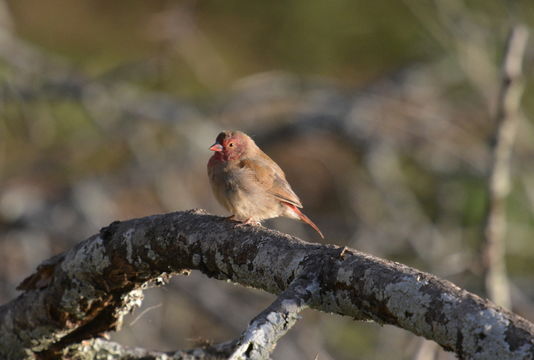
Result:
pixel 100 349
pixel 259 340
pixel 87 290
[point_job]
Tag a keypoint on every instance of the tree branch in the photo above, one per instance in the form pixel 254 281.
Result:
pixel 259 340
pixel 109 350
pixel 87 290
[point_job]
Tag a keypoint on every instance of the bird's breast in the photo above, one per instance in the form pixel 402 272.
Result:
pixel 240 193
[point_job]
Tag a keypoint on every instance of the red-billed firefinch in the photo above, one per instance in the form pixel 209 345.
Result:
pixel 248 183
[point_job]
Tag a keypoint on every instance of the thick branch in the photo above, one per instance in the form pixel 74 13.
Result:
pixel 87 290
pixel 493 251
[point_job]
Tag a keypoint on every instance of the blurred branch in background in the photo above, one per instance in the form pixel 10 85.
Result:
pixel 459 30
pixel 6 23
pixel 462 32
pixel 506 120
pixel 176 29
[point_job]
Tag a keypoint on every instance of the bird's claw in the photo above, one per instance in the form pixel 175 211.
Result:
pixel 245 222
pixel 249 222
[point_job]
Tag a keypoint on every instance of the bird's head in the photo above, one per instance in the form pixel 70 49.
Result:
pixel 232 145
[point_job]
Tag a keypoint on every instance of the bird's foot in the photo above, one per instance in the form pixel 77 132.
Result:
pixel 248 221
pixel 252 222
pixel 342 252
pixel 240 223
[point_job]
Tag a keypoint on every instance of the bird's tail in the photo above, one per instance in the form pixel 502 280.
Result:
pixel 304 218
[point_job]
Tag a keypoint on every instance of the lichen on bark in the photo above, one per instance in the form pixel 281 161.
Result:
pixel 87 290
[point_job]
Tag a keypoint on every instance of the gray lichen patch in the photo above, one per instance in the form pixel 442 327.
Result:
pixel 151 254
pixel 222 264
pixel 196 259
pixel 260 337
pixel 127 238
pixel 405 299
pixel 41 337
pixel 132 239
pixel 76 300
pixel 344 276
pixel 487 324
pixel 89 258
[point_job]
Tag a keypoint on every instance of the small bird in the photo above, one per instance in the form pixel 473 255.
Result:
pixel 249 184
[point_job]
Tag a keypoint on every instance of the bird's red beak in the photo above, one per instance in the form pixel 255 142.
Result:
pixel 216 147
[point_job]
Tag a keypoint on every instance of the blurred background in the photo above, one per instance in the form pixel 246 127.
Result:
pixel 381 114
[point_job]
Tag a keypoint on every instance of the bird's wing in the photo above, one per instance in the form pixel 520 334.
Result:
pixel 271 178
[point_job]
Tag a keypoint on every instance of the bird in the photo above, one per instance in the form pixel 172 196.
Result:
pixel 249 184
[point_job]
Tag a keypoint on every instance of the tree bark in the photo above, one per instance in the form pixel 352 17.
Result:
pixel 87 290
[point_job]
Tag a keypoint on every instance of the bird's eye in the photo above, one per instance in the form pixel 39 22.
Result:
pixel 231 144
